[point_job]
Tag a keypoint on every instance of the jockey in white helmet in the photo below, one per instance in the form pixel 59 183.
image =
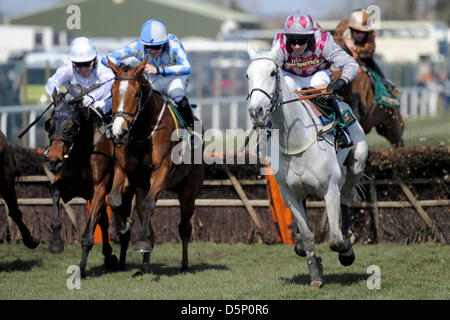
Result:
pixel 307 54
pixel 168 64
pixel 81 72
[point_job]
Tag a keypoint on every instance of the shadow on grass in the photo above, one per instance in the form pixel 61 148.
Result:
pixel 19 265
pixel 343 279
pixel 157 269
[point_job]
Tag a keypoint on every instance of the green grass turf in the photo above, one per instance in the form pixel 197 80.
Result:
pixel 229 271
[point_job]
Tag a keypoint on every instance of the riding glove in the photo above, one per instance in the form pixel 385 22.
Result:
pixel 336 86
pixel 87 100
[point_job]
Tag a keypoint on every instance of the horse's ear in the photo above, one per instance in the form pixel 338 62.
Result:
pixel 141 67
pixel 275 48
pixel 251 50
pixel 114 68
pixel 55 96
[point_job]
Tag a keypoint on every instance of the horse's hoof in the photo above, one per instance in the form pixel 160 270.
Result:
pixel 184 269
pixel 315 271
pixel 56 246
pixel 347 260
pixel 143 246
pixel 316 284
pixel 299 250
pixel 111 263
pixel 31 243
pixel 137 274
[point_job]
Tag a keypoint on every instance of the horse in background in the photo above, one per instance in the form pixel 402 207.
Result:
pixel 308 164
pixel 359 94
pixel 142 130
pixel 7 191
pixel 81 157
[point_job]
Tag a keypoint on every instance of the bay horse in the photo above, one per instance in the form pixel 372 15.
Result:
pixel 7 191
pixel 142 128
pixel 81 157
pixel 308 162
pixel 359 94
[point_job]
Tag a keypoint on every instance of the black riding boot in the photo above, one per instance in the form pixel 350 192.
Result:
pixel 186 112
pixel 343 136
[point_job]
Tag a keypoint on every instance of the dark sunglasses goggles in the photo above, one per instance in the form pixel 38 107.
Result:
pixel 299 41
pixel 83 64
pixel 154 48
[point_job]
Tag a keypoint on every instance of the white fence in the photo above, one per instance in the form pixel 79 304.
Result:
pixel 215 112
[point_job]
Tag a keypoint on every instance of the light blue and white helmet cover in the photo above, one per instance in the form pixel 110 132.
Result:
pixel 153 33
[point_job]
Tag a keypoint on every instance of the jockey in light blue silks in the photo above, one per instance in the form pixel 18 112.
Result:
pixel 168 63
pixel 307 54
pixel 82 71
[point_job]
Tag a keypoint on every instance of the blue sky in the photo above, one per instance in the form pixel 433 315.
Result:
pixel 318 8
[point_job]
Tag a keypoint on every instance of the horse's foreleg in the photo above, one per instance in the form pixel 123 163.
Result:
pixel 332 203
pixel 87 239
pixel 56 244
pixel 115 195
pixel 110 260
pixel 392 127
pixel 337 241
pixel 124 233
pixel 305 237
pixel 185 227
pixel 187 197
pixel 9 196
pixel 146 237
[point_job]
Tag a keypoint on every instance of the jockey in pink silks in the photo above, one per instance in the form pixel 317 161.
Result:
pixel 307 54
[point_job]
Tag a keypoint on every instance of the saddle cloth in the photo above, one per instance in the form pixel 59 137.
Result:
pixel 382 94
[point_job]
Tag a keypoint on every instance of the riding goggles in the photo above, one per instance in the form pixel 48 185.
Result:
pixel 299 41
pixel 154 48
pixel 83 64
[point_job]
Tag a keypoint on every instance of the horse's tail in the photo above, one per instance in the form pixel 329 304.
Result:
pixel 359 190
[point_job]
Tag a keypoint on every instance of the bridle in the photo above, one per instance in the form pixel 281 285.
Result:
pixel 275 93
pixel 65 136
pixel 141 104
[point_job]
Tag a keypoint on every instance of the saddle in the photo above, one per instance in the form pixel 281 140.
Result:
pixel 325 113
pixel 385 92
pixel 180 123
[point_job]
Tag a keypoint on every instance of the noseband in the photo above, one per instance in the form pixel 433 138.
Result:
pixel 141 103
pixel 274 96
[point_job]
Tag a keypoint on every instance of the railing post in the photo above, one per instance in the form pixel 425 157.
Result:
pixel 4 123
pixel 32 133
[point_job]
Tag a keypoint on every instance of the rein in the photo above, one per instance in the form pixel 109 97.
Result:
pixel 275 103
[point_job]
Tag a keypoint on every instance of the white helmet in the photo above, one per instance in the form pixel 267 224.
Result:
pixel 82 50
pixel 299 23
pixel 153 33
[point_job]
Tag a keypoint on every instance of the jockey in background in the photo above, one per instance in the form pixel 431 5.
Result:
pixel 82 71
pixel 359 38
pixel 307 54
pixel 168 64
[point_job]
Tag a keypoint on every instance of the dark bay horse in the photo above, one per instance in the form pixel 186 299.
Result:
pixel 81 157
pixel 387 121
pixel 8 192
pixel 142 128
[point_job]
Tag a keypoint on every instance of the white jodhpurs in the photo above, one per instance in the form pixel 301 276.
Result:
pixel 318 79
pixel 172 86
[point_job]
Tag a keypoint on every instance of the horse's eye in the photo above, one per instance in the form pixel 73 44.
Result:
pixel 273 73
pixel 246 75
pixel 48 125
pixel 74 126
